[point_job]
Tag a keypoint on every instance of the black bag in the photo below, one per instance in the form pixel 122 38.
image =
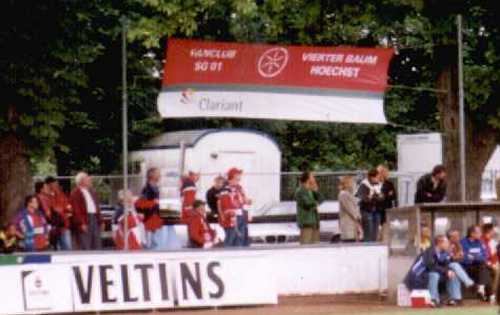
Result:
pixel 56 220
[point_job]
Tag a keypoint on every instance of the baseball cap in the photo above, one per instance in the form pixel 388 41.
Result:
pixel 233 172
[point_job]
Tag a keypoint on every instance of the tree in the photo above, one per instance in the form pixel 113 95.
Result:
pixel 423 32
pixel 481 50
pixel 60 71
pixel 44 53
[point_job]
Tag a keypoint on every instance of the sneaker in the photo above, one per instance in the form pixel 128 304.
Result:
pixel 435 304
pixel 454 303
pixel 482 297
pixel 493 299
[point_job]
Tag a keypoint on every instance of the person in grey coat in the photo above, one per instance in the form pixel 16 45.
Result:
pixel 349 214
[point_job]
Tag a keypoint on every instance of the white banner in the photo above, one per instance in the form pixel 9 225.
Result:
pixel 112 282
pixel 147 280
pixel 342 107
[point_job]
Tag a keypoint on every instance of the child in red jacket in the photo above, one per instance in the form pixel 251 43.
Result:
pixel 200 233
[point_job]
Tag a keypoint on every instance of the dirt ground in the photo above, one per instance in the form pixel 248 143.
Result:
pixel 324 306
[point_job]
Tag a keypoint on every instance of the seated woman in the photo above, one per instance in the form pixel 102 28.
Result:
pixel 33 226
pixel 425 238
pixel 136 232
pixel 200 233
pixel 9 239
pixel 456 250
pixel 432 267
pixel 349 216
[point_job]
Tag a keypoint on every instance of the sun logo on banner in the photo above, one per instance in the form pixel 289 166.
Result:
pixel 187 96
pixel 272 62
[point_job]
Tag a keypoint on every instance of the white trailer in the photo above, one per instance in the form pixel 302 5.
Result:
pixel 212 152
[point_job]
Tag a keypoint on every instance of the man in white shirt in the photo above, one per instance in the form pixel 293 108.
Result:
pixel 87 214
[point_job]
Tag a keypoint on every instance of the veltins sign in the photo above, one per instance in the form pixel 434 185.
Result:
pixel 139 281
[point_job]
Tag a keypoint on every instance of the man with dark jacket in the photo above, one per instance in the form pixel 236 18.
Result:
pixel 431 187
pixel 370 196
pixel 212 196
pixel 475 262
pixel 148 205
pixel 308 200
pixel 432 267
pixel 389 192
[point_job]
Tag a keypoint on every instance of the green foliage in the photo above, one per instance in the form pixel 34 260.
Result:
pixel 60 71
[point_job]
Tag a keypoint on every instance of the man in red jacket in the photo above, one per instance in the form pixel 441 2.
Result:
pixel 200 233
pixel 86 213
pixel 227 217
pixel 188 195
pixel 240 201
pixel 62 207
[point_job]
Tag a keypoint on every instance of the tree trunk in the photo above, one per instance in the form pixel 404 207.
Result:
pixel 15 175
pixel 480 140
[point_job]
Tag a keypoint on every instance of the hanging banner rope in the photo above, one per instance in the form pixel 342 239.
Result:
pixel 214 79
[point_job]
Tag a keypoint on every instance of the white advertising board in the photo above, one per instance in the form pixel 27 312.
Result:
pixel 113 282
pixel 35 289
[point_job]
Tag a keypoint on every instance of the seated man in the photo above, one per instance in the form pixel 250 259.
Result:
pixel 200 233
pixel 432 267
pixel 475 261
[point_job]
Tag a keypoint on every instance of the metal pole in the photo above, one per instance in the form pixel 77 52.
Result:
pixel 461 110
pixel 182 159
pixel 124 23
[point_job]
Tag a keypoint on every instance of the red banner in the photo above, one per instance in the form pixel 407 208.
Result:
pixel 191 62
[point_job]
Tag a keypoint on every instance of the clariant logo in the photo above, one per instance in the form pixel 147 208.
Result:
pixel 187 96
pixel 207 104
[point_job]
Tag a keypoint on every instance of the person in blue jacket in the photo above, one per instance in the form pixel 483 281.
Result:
pixel 433 267
pixel 475 262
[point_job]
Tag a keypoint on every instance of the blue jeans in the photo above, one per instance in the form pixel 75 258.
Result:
pixel 452 287
pixel 461 274
pixel 370 221
pixel 232 238
pixel 242 222
pixel 154 239
pixel 64 241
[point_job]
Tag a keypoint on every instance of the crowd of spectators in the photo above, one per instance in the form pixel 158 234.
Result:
pixel 454 263
pixel 52 220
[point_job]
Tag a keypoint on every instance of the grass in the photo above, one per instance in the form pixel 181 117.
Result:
pixel 442 311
